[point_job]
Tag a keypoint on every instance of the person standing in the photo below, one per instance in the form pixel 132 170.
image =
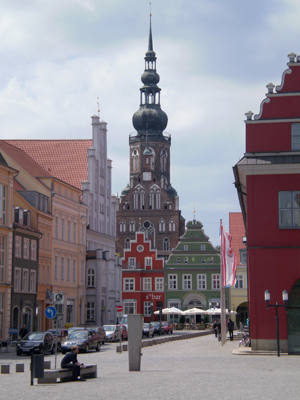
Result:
pixel 23 331
pixel 70 361
pixel 215 328
pixel 230 326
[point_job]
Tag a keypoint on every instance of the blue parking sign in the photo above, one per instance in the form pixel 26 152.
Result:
pixel 50 312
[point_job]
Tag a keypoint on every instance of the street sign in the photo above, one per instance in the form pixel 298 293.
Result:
pixel 50 312
pixel 58 298
pixel 119 308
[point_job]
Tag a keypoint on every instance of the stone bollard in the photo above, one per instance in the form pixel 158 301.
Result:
pixel 20 368
pixel 135 326
pixel 47 364
pixel 125 347
pixel 4 369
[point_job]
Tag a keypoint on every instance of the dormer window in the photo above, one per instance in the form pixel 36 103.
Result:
pixel 27 217
pixel 19 215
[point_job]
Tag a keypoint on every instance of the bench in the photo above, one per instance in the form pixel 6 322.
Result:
pixel 65 375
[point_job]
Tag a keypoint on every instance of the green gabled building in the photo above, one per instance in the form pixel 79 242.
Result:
pixel 192 273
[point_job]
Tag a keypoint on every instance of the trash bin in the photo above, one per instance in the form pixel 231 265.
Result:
pixel 37 366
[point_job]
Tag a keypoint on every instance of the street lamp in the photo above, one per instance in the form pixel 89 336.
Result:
pixel 285 298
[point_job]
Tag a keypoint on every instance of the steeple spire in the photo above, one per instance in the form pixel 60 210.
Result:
pixel 150 42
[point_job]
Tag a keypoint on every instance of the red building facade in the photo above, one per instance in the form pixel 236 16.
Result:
pixel 142 278
pixel 267 179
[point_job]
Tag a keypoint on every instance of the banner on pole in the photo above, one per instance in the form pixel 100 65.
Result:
pixel 228 259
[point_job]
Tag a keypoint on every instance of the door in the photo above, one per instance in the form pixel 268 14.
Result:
pixel 293 319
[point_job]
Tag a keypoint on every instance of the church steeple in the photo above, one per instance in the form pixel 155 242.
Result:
pixel 150 116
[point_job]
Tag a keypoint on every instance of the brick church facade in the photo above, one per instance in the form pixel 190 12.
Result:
pixel 149 203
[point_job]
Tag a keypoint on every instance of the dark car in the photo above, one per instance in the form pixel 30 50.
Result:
pixel 148 329
pixel 100 331
pixel 158 328
pixel 168 327
pixel 36 342
pixel 62 335
pixel 84 339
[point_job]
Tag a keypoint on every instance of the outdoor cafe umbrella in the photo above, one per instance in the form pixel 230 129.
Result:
pixel 172 310
pixel 194 311
pixel 217 311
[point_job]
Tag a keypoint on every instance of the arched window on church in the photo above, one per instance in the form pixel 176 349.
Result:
pixel 163 182
pixel 154 197
pixel 126 205
pixel 135 160
pixel 166 244
pixel 127 243
pixel 172 225
pixel 163 160
pixel 149 230
pixel 91 277
pixel 132 226
pixel 139 198
pixel 122 226
pixel 162 225
pixel 168 205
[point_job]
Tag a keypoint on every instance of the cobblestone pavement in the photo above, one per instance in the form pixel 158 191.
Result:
pixel 198 368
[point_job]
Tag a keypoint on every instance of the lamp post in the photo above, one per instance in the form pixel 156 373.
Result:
pixel 285 298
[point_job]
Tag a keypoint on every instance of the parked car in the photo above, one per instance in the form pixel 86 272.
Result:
pixel 99 330
pixel 124 332
pixel 168 327
pixel 158 328
pixel 112 332
pixel 62 335
pixel 75 328
pixel 148 329
pixel 36 342
pixel 84 339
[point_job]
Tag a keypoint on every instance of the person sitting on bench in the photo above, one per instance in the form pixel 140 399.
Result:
pixel 70 361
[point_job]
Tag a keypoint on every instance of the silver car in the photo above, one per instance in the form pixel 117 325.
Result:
pixel 112 333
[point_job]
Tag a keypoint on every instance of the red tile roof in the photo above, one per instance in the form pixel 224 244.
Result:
pixel 64 159
pixel 237 231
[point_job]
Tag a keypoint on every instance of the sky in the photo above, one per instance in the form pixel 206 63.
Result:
pixel 214 58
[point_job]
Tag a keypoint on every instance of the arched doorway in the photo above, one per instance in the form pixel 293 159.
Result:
pixel 27 318
pixel 293 319
pixel 242 313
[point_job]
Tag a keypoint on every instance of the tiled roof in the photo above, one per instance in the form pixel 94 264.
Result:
pixel 237 231
pixel 17 185
pixel 64 159
pixel 23 159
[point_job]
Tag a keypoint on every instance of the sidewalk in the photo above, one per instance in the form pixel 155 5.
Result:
pixel 198 368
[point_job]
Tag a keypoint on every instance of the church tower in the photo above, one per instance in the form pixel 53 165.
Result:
pixel 149 203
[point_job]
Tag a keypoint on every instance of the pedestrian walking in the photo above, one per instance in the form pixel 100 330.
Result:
pixel 230 326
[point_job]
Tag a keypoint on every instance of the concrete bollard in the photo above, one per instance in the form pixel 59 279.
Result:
pixel 4 369
pixel 125 347
pixel 47 364
pixel 135 326
pixel 20 368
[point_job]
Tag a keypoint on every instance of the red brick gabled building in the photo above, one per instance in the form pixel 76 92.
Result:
pixel 142 278
pixel 267 179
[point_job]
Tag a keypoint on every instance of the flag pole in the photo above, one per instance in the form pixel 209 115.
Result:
pixel 223 305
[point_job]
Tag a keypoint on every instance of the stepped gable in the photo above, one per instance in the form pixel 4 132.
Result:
pixel 64 159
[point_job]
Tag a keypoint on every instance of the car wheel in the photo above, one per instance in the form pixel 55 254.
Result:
pixel 19 353
pixel 153 334
pixel 98 346
pixel 86 350
pixel 63 352
pixel 148 334
pixel 103 342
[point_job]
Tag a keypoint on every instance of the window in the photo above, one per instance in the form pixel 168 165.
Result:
pixel 178 260
pixel 148 261
pixel 172 225
pixel 185 260
pixel 48 275
pixel 243 256
pixel 62 269
pixel 201 282
pixel 173 281
pixel 32 287
pixel 68 269
pixel 129 284
pixel 43 273
pixel 129 307
pixel 33 250
pixel 131 262
pixel 55 267
pixel 2 257
pixel 147 284
pixel 75 232
pixel 63 231
pixel 56 227
pixel 147 308
pixel 202 247
pixel 216 281
pixel 159 284
pixel 91 277
pixel 2 204
pixel 154 198
pixel 211 260
pixel 74 270
pixel 26 248
pixel 289 209
pixel 162 225
pixel 296 136
pixel 82 271
pixel 17 279
pixel 139 198
pixel 122 226
pixel 166 244
pixel 131 226
pixel 127 243
pixel 25 281
pixel 203 260
pixel 69 231
pixel 239 282
pixel 185 247
pixel 90 310
pixel 18 241
pixel 187 282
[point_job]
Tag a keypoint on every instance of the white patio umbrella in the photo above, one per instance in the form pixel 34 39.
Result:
pixel 194 311
pixel 217 311
pixel 172 310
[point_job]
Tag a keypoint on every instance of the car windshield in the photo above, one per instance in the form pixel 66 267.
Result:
pixel 146 325
pixel 70 330
pixel 123 320
pixel 79 335
pixel 155 323
pixel 109 327
pixel 53 331
pixel 164 323
pixel 33 336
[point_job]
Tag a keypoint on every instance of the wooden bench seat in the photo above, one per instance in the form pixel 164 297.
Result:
pixel 64 375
